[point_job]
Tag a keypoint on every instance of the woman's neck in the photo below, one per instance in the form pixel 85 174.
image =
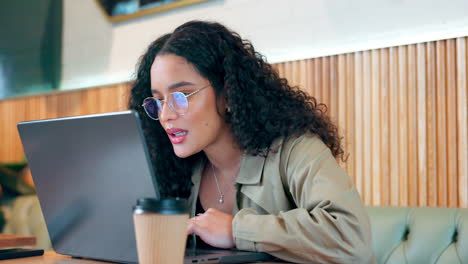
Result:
pixel 225 154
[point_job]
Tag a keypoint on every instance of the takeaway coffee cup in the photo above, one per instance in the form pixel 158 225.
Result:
pixel 160 230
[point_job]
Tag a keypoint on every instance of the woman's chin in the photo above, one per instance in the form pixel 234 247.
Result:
pixel 182 152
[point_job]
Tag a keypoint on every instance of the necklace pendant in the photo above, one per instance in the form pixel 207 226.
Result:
pixel 221 199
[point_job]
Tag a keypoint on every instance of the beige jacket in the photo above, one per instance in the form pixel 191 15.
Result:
pixel 297 204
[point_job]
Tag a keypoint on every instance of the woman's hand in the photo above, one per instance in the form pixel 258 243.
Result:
pixel 214 227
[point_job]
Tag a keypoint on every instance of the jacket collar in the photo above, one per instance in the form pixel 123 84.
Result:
pixel 251 169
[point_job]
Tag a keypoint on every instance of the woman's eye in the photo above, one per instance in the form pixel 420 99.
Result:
pixel 185 92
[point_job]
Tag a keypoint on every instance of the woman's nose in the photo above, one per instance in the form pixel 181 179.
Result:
pixel 167 112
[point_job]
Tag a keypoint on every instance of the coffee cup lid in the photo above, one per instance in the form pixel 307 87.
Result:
pixel 161 206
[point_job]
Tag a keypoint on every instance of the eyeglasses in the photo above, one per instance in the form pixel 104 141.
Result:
pixel 177 102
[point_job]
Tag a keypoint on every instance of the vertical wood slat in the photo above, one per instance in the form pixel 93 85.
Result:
pixel 375 131
pixel 412 143
pixel 462 120
pixel 341 104
pixel 385 185
pixel 394 146
pixel 302 73
pixel 441 120
pixel 325 85
pixel 316 91
pixel 431 126
pixel 422 125
pixel 452 171
pixel 358 141
pixel 367 124
pixel 350 106
pixel 402 110
pixel 333 93
pixel 402 122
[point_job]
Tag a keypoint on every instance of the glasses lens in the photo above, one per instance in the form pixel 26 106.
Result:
pixel 152 107
pixel 179 102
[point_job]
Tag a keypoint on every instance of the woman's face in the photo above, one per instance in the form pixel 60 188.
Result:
pixel 201 125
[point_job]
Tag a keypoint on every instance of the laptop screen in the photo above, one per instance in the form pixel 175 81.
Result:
pixel 89 171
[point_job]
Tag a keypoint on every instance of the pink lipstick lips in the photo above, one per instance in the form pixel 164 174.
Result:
pixel 176 135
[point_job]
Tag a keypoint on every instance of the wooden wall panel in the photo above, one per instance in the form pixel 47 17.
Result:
pixel 53 105
pixel 402 112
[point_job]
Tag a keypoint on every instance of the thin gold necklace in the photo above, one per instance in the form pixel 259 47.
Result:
pixel 221 195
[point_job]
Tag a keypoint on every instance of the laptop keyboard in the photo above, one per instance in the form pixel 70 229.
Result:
pixel 200 252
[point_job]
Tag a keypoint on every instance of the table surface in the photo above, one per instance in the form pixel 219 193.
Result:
pixel 51 257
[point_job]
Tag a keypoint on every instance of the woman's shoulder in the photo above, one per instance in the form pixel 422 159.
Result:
pixel 287 151
pixel 297 150
pixel 304 144
pixel 297 156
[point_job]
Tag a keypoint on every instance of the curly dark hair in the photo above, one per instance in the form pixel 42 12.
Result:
pixel 262 105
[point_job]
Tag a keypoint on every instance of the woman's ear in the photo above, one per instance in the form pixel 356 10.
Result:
pixel 222 106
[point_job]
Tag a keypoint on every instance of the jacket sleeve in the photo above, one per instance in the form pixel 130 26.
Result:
pixel 330 223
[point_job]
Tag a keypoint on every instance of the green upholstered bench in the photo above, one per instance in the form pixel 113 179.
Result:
pixel 419 235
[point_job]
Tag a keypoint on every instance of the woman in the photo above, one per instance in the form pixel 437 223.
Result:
pixel 256 157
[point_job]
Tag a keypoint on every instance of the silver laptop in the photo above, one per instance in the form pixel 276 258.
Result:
pixel 89 171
